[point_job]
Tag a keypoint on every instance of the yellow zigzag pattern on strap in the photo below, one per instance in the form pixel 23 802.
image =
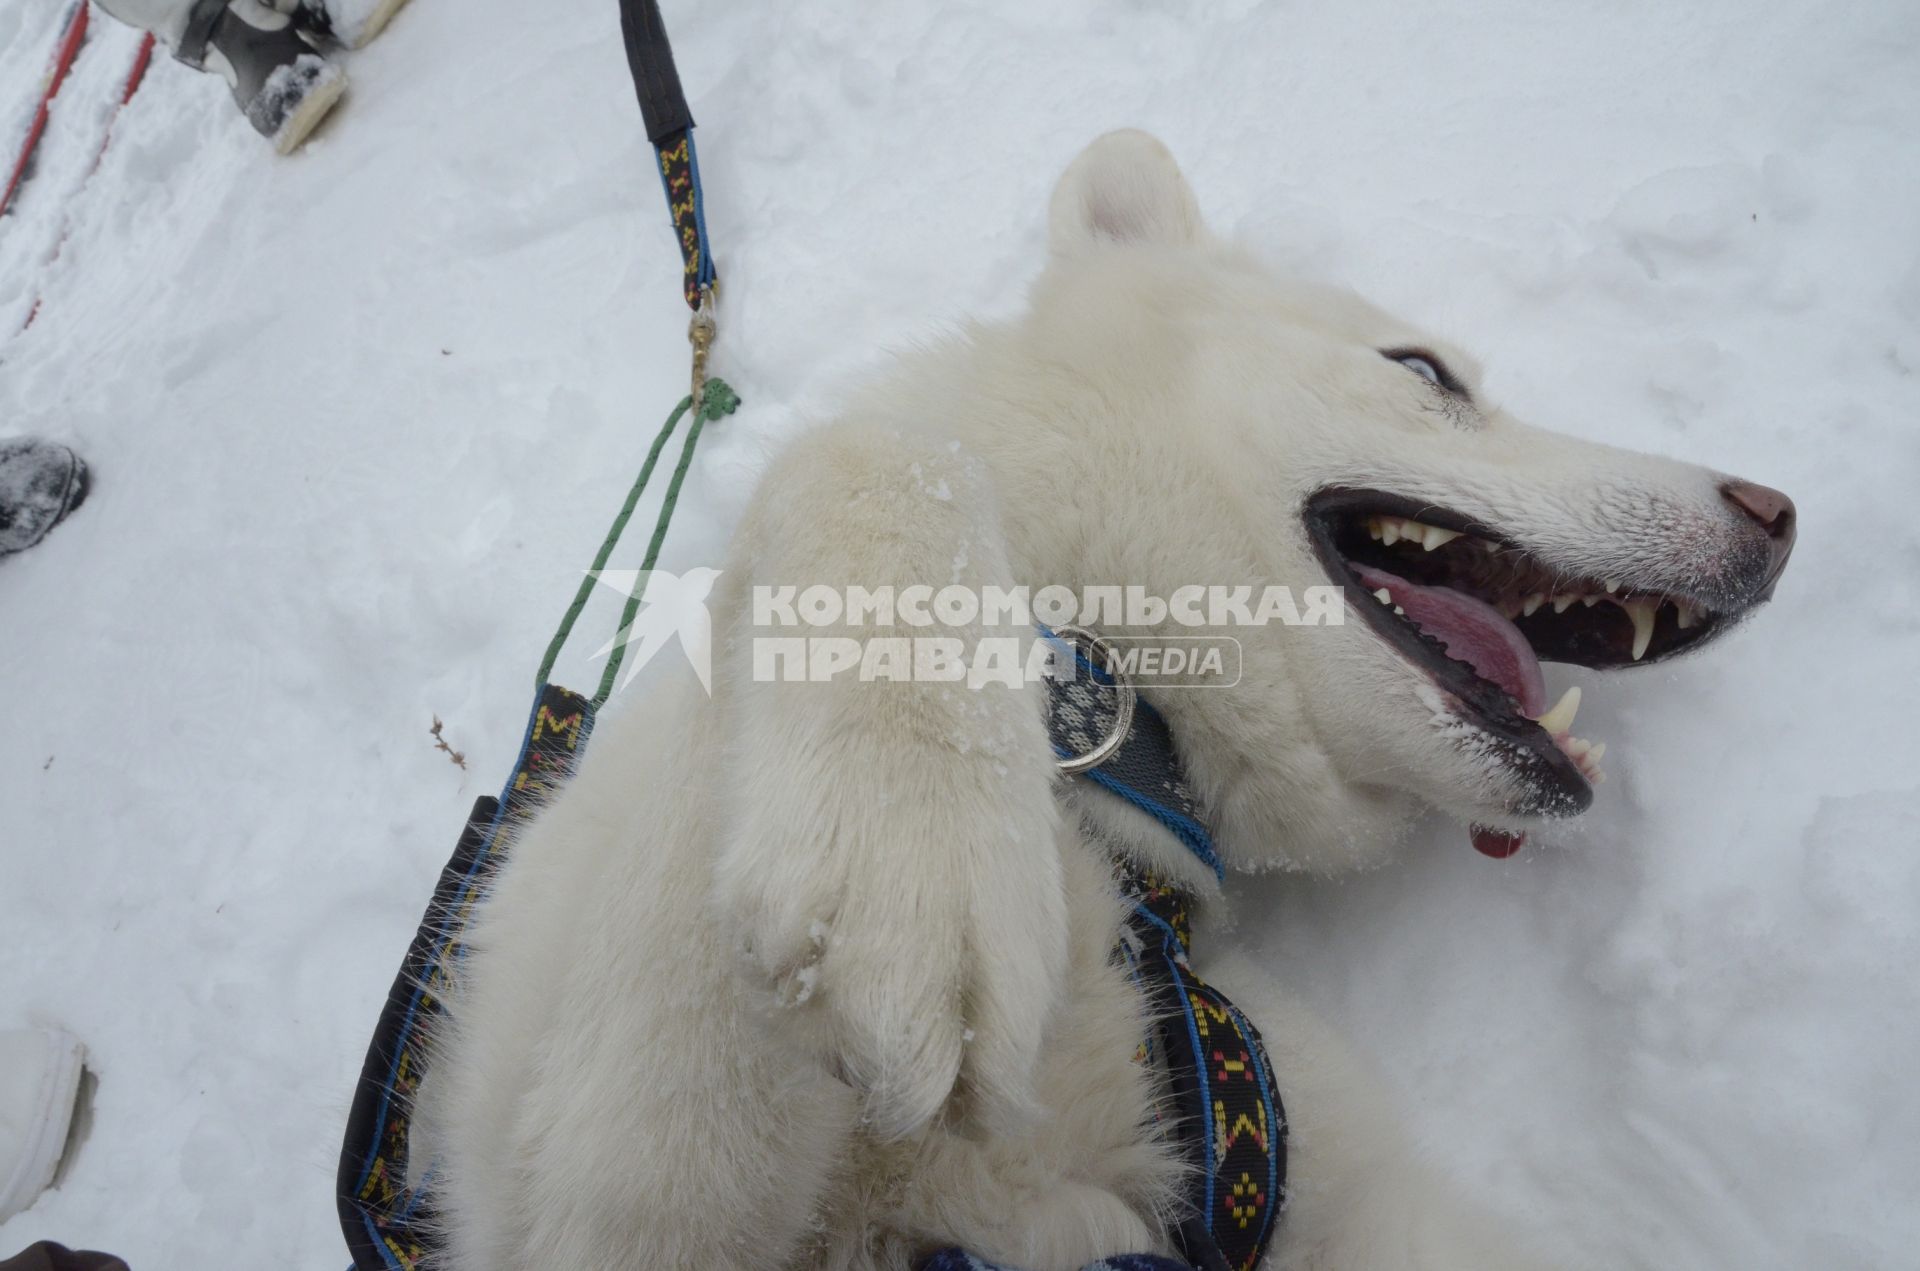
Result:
pixel 545 722
pixel 1204 1010
pixel 1226 1136
pixel 676 166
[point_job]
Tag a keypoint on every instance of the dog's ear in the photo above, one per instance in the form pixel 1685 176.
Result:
pixel 1124 188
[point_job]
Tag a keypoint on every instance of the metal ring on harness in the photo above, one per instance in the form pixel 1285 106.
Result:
pixel 1098 646
pixel 701 329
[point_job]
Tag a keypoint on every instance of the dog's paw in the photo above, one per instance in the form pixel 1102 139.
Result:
pixel 890 853
pixel 920 946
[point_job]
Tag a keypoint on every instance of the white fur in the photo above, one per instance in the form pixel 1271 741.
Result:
pixel 816 975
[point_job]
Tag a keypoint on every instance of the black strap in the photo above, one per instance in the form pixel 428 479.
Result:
pixel 388 1226
pixel 663 108
pixel 662 105
pixel 1145 771
pixel 1221 1097
pixel 1220 1094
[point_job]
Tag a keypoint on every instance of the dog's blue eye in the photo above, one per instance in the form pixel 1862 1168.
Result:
pixel 1429 368
pixel 1423 367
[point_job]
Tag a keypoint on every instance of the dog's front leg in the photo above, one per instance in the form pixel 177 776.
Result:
pixel 1362 1196
pixel 889 862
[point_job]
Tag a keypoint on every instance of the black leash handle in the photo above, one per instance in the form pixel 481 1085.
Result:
pixel 663 106
pixel 669 124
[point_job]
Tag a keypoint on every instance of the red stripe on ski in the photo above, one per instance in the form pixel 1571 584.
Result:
pixel 142 58
pixel 72 36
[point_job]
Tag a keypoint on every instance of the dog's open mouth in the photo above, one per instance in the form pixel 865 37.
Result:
pixel 1479 613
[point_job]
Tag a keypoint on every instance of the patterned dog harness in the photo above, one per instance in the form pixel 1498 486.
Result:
pixel 1226 1114
pixel 1209 1058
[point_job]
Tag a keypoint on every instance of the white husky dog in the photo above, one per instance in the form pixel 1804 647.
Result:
pixel 822 974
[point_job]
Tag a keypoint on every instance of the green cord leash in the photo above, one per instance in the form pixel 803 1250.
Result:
pixel 717 400
pixel 669 124
pixel 388 1224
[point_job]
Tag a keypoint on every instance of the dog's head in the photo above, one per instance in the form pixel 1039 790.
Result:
pixel 1348 448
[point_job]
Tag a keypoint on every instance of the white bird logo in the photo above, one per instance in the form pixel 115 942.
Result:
pixel 671 605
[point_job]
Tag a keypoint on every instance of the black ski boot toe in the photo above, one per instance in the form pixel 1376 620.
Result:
pixel 41 484
pixel 284 85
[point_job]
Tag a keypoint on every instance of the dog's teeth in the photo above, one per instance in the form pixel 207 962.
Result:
pixel 1374 526
pixel 1613 585
pixel 1589 601
pixel 1642 612
pixel 1532 603
pixel 1595 755
pixel 1487 545
pixel 1384 596
pixel 1389 531
pixel 1563 603
pixel 1578 746
pixel 1433 536
pixel 1685 612
pixel 1402 612
pixel 1560 718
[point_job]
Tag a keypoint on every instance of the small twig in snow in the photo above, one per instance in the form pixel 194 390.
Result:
pixel 440 743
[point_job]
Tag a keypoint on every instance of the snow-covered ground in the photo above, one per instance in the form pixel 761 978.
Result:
pixel 359 417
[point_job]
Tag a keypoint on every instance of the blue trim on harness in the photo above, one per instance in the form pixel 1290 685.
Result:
pixel 446 937
pixel 1212 1153
pixel 1274 1123
pixel 1190 832
pixel 1235 1135
pixel 705 275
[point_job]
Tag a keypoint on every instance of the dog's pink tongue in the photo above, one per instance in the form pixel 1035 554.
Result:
pixel 1474 632
pixel 1497 843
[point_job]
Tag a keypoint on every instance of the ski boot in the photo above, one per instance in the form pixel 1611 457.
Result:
pixel 41 482
pixel 353 23
pixel 284 84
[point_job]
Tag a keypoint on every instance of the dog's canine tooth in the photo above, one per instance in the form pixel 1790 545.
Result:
pixel 1642 611
pixel 1560 718
pixel 1563 603
pixel 1433 536
pixel 1532 603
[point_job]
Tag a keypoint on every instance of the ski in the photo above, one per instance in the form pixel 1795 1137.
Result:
pixel 73 33
pixel 136 74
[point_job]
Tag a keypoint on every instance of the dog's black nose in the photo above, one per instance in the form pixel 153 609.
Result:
pixel 1773 512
